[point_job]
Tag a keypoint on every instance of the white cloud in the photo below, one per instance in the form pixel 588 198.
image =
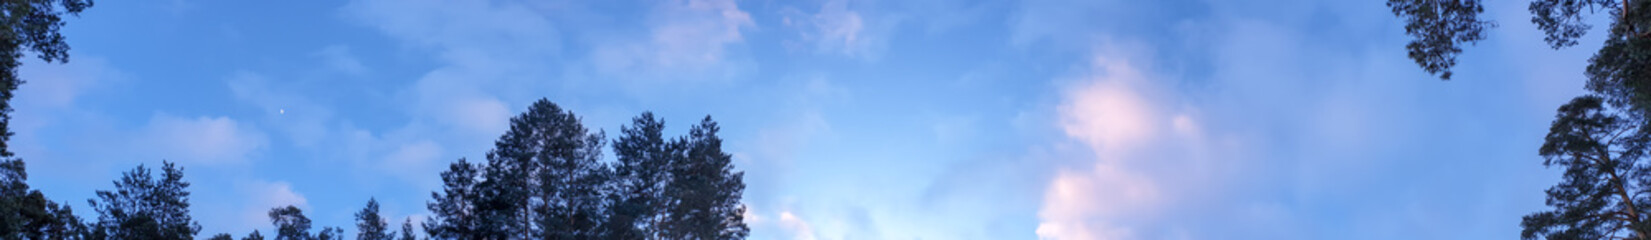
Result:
pixel 57 85
pixel 505 28
pixel 1111 112
pixel 799 228
pixel 339 58
pixel 409 160
pixel 684 36
pixel 49 93
pixel 837 29
pixel 267 195
pixel 205 140
pixel 1116 113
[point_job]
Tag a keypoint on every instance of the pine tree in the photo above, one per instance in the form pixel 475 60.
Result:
pixel 26 213
pixel 452 213
pixel 639 178
pixel 1601 148
pixel 407 230
pixel 545 170
pixel 290 223
pixel 329 233
pixel 142 207
pixel 222 236
pixel 254 236
pixel 369 225
pixel 705 190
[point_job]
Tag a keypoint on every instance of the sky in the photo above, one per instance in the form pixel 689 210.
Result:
pixel 919 119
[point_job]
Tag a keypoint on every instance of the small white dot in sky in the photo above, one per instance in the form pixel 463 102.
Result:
pixel 283 111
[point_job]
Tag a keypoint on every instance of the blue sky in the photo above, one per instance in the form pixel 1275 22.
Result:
pixel 923 119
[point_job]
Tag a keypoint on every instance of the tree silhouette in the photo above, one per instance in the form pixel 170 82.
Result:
pixel 407 230
pixel 222 236
pixel 254 236
pixel 142 207
pixel 369 225
pixel 1440 27
pixel 560 157
pixel 452 213
pixel 30 25
pixel 705 190
pixel 1600 149
pixel 546 170
pixel 640 175
pixel 291 224
pixel 27 214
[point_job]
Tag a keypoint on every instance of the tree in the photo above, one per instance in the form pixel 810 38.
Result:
pixel 369 225
pixel 254 236
pixel 452 215
pixel 27 214
pixel 705 190
pixel 142 207
pixel 407 230
pixel 30 25
pixel 640 176
pixel 545 170
pixel 1440 27
pixel 222 236
pixel 1617 72
pixel 1600 149
pixel 290 223
pixel 330 233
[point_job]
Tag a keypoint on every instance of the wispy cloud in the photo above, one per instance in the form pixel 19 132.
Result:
pixel 200 140
pixel 683 37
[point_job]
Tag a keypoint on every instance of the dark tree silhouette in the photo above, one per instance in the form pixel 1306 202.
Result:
pixel 547 171
pixel 452 215
pixel 254 236
pixel 1600 138
pixel 1440 27
pixel 1600 149
pixel 705 190
pixel 559 160
pixel 369 225
pixel 222 236
pixel 407 230
pixel 291 224
pixel 31 25
pixel 640 175
pixel 142 207
pixel 27 214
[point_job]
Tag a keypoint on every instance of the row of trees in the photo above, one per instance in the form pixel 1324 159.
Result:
pixel 544 179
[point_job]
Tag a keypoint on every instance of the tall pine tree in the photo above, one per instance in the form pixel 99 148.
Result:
pixel 452 213
pixel 562 194
pixel 543 179
pixel 291 224
pixel 1601 148
pixel 640 175
pixel 369 225
pixel 705 190
pixel 142 207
